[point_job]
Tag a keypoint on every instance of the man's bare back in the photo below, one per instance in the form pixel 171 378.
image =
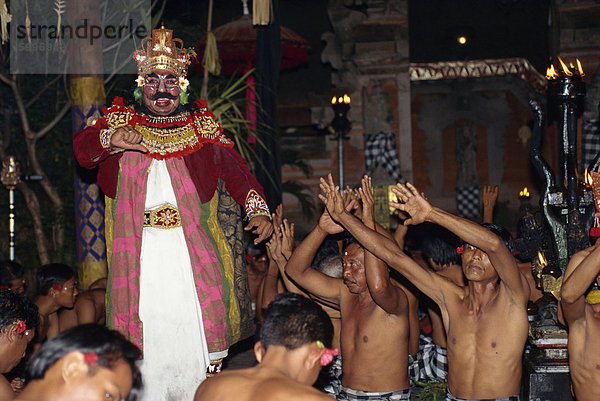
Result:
pixel 486 321
pixel 583 320
pixel 256 383
pixel 291 350
pixel 90 307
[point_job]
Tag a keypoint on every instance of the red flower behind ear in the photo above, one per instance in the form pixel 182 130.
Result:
pixel 328 356
pixel 595 232
pixel 20 326
pixel 4 287
pixel 460 249
pixel 248 258
pixel 90 358
pixel 56 287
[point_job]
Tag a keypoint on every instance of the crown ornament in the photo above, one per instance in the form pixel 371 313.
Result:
pixel 162 52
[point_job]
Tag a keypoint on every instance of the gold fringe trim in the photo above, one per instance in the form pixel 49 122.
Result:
pixel 262 12
pixel 211 61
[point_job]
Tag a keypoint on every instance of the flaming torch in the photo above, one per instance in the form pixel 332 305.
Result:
pixel 341 125
pixel 568 89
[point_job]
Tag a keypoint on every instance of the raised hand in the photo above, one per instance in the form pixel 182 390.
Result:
pixel 127 138
pixel 274 245
pixel 327 224
pixel 412 202
pixel 368 204
pixel 330 195
pixel 490 195
pixel 287 238
pixel 278 216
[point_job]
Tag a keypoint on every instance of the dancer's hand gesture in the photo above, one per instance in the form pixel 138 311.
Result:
pixel 411 202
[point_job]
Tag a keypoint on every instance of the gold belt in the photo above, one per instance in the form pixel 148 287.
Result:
pixel 165 217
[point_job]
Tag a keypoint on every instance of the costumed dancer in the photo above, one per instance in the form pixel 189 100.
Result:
pixel 161 163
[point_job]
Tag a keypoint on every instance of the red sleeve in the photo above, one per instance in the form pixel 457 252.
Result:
pixel 212 162
pixel 86 145
pixel 239 181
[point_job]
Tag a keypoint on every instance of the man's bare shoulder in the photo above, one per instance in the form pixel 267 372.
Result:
pixel 6 392
pixel 453 273
pixel 248 385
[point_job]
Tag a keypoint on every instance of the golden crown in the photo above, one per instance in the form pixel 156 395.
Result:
pixel 161 52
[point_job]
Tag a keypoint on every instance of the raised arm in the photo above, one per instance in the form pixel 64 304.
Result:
pixel 489 198
pixel 299 269
pixel 420 210
pixel 388 296
pixel 582 270
pixel 383 247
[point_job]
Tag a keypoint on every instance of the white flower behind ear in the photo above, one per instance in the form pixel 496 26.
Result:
pixel 140 81
pixel 183 83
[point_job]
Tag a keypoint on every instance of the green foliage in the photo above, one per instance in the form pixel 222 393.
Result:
pixel 138 94
pixel 432 391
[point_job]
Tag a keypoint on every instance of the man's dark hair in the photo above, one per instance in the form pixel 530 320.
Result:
pixel 440 245
pixel 15 307
pixel 110 346
pixel 292 320
pixel 349 240
pixel 50 274
pixel 10 271
pixel 502 233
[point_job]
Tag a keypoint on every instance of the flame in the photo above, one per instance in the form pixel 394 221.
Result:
pixel 551 73
pixel 342 99
pixel 565 69
pixel 524 192
pixel 542 259
pixel 587 178
pixel 579 68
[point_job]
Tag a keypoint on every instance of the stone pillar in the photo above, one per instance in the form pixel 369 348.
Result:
pixel 87 92
pixel 369 49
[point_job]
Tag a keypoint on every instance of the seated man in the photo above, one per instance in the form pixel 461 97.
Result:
pixel 486 320
pixel 56 289
pixel 18 321
pixel 88 362
pixel 90 307
pixel 290 353
pixel 12 276
pixel 582 314
pixel 374 311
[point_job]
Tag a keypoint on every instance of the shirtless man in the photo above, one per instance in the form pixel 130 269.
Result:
pixel 486 321
pixel 374 311
pixel 57 289
pixel 88 362
pixel 582 314
pixel 90 307
pixel 290 353
pixel 18 321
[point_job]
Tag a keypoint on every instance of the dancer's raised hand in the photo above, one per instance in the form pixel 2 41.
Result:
pixel 411 202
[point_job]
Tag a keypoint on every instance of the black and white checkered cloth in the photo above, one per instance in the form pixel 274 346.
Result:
pixel 380 149
pixel 335 377
pixel 591 141
pixel 467 201
pixel 430 363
